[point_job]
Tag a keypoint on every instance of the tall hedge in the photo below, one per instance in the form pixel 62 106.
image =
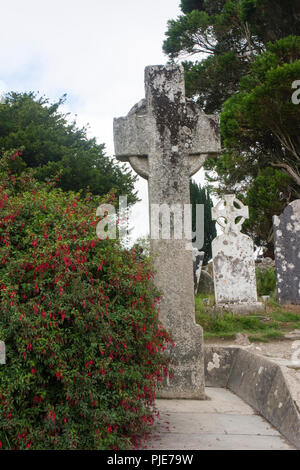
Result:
pixel 79 316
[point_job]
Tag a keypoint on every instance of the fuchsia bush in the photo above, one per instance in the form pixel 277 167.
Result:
pixel 85 349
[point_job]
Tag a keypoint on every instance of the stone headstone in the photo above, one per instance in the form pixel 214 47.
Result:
pixel 265 264
pixel 2 353
pixel 242 339
pixel 198 257
pixel 233 259
pixel 166 139
pixel 206 283
pixel 287 253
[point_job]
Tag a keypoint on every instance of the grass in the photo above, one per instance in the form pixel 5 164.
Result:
pixel 273 324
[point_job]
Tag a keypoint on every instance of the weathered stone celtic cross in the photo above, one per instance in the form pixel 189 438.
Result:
pixel 233 259
pixel 166 139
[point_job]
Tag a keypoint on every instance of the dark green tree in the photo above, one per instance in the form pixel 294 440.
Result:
pixel 237 71
pixel 52 144
pixel 260 127
pixel 225 37
pixel 261 123
pixel 199 195
pixel 266 196
pixel 189 5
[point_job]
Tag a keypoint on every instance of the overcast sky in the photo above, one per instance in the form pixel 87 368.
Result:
pixel 93 50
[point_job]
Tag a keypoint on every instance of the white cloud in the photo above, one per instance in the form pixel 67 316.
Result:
pixel 95 51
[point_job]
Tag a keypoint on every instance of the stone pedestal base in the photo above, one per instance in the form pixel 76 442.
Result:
pixel 187 362
pixel 242 308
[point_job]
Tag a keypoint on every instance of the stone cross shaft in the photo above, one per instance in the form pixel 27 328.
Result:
pixel 166 139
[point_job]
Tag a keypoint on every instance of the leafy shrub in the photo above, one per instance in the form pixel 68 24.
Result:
pixel 266 281
pixel 85 350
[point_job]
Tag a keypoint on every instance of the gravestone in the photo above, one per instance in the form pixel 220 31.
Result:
pixel 206 283
pixel 2 353
pixel 233 259
pixel 198 257
pixel 287 253
pixel 166 139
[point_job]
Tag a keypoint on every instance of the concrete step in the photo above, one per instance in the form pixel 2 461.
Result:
pixel 222 422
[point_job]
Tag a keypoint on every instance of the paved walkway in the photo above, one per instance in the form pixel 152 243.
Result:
pixel 224 422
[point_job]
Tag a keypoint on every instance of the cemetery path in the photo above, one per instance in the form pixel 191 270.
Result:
pixel 223 422
pixel 281 352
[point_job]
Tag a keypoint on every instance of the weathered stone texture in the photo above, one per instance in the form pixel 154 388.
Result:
pixel 287 253
pixel 206 283
pixel 264 264
pixel 259 382
pixel 233 259
pixel 166 139
pixel 2 353
pixel 198 257
pixel 218 363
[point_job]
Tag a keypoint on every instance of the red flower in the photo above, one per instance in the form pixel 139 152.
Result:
pixel 100 266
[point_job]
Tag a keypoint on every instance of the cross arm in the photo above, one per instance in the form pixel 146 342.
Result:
pixel 131 139
pixel 132 133
pixel 205 138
